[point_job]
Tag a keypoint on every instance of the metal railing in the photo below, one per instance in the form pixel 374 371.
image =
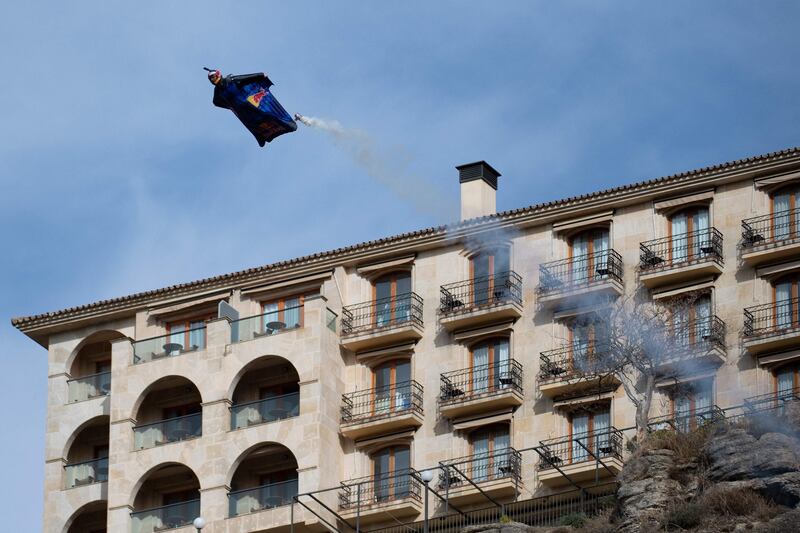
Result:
pixel 86 387
pixel 166 517
pixel 567 274
pixel 679 250
pixel 468 295
pixel 576 359
pixel 267 410
pixel 773 230
pixel 169 345
pixel 773 318
pixel 166 431
pixel 465 384
pixel 261 498
pixel 383 313
pixel 576 448
pixel 381 402
pixel 380 488
pixel 505 463
pixel 771 401
pixel 687 421
pixel 253 327
pixel 697 335
pixel 86 472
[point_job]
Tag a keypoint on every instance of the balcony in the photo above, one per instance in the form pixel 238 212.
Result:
pixel 381 410
pixel 171 345
pixel 373 498
pixel 267 410
pixel 167 431
pixel 576 368
pixel 570 281
pixel 770 238
pixel 481 389
pixel 86 472
pixel 498 474
pixel 695 343
pixel 267 324
pixel 480 301
pixel 166 517
pixel 680 258
pixel 261 498
pixel 382 322
pixel 773 403
pixel 688 421
pixel 578 456
pixel 88 387
pixel 772 327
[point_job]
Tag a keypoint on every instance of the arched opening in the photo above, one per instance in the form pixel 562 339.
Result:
pixel 90 369
pixel 87 456
pixel 265 478
pixel 268 390
pixel 168 497
pixel 91 518
pixel 170 411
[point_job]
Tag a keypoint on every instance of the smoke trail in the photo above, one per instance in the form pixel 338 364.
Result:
pixel 388 167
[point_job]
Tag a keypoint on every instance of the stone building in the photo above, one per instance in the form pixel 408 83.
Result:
pixel 345 373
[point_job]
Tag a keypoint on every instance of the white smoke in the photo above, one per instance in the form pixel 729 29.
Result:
pixel 389 167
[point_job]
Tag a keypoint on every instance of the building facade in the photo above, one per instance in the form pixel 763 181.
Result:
pixel 337 377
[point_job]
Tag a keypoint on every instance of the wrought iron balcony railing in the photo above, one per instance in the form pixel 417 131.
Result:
pixel 260 498
pixel 572 273
pixel 694 336
pixel 770 319
pixel 505 463
pixel 169 345
pixel 381 402
pixel 580 447
pixel 380 488
pixel 467 383
pixel 687 421
pixel 680 250
pixel 166 517
pixel 384 313
pixel 771 230
pixel 169 430
pixel 266 324
pixel 87 472
pixel 267 410
pixel 771 401
pixel 576 359
pixel 87 387
pixel 464 296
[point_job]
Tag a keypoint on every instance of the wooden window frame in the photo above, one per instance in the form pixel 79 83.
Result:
pixel 186 323
pixel 589 430
pixel 591 233
pixel 493 431
pixel 692 387
pixel 692 316
pixel 392 466
pixel 794 280
pixel 491 345
pixel 282 308
pixel 491 255
pixel 592 343
pixel 793 190
pixel 795 369
pixel 393 276
pixel 392 382
pixel 690 213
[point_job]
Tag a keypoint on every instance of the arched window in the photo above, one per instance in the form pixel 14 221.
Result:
pixel 391 294
pixel 785 213
pixel 391 467
pixel 785 296
pixel 392 386
pixel 689 233
pixel 589 253
pixel 489 272
pixel 490 458
pixel 490 365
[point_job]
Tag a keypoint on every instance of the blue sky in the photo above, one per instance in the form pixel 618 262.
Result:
pixel 118 175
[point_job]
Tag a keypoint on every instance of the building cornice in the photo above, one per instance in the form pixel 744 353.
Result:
pixel 541 214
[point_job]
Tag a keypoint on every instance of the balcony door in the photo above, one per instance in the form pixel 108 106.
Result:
pixel 692 323
pixel 589 430
pixel 490 365
pixel 392 298
pixel 285 313
pixel 488 458
pixel 690 401
pixel 588 336
pixel 589 254
pixel 392 387
pixel 785 216
pixel 786 380
pixel 489 274
pixel 186 335
pixel 785 310
pixel 689 235
pixel 390 472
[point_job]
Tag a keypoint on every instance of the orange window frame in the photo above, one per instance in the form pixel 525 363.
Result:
pixel 795 369
pixel 282 307
pixel 491 256
pixel 589 432
pixel 392 464
pixel 591 344
pixel 493 432
pixel 690 318
pixel 692 394
pixel 392 365
pixel 793 191
pixel 393 277
pixel 491 344
pixel 187 327
pixel 590 236
pixel 690 214
pixel 794 279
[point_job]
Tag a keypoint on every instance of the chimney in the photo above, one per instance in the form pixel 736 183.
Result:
pixel 478 189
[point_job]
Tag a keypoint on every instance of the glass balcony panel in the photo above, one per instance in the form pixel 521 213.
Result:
pixel 87 387
pixel 166 517
pixel 266 324
pixel 266 410
pixel 170 345
pixel 87 472
pixel 166 431
pixel 260 498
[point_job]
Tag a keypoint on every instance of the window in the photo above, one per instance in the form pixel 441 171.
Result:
pixel 692 323
pixel 786 378
pixel 390 470
pixel 588 336
pixel 785 293
pixel 392 387
pixel 490 366
pixel 285 313
pixel 488 459
pixel 392 298
pixel 785 215
pixel 689 234
pixel 489 274
pixel 186 335
pixel 590 429
pixel 691 404
pixel 588 251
